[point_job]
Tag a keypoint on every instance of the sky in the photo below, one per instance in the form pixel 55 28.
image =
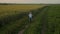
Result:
pixel 31 1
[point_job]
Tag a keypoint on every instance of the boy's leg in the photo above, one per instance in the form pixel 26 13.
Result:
pixel 30 19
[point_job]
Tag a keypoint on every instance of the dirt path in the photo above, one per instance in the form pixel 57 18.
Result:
pixel 44 22
pixel 21 32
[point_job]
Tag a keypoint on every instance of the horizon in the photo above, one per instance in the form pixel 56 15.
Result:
pixel 31 1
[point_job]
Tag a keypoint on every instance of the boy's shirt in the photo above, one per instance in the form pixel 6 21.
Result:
pixel 30 15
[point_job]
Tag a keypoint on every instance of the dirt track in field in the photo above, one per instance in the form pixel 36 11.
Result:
pixel 44 22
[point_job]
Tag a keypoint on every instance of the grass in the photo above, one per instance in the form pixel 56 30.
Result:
pixel 12 25
pixel 9 11
pixel 53 19
pixel 52 24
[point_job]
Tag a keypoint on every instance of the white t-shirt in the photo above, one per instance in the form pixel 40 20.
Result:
pixel 30 15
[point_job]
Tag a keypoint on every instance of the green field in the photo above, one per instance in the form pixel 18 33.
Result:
pixel 46 19
pixel 46 23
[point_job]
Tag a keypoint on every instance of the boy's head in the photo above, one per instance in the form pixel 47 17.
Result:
pixel 30 12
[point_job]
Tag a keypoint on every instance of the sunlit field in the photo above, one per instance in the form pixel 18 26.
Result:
pixel 19 7
pixel 16 9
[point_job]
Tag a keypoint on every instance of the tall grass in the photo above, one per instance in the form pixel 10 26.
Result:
pixel 10 13
pixel 53 19
pixel 9 18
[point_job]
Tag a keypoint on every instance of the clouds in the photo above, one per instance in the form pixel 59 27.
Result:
pixel 30 1
pixel 50 1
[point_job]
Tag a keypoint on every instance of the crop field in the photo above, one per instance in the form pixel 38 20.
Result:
pixel 46 19
pixel 13 17
pixel 14 9
pixel 18 7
